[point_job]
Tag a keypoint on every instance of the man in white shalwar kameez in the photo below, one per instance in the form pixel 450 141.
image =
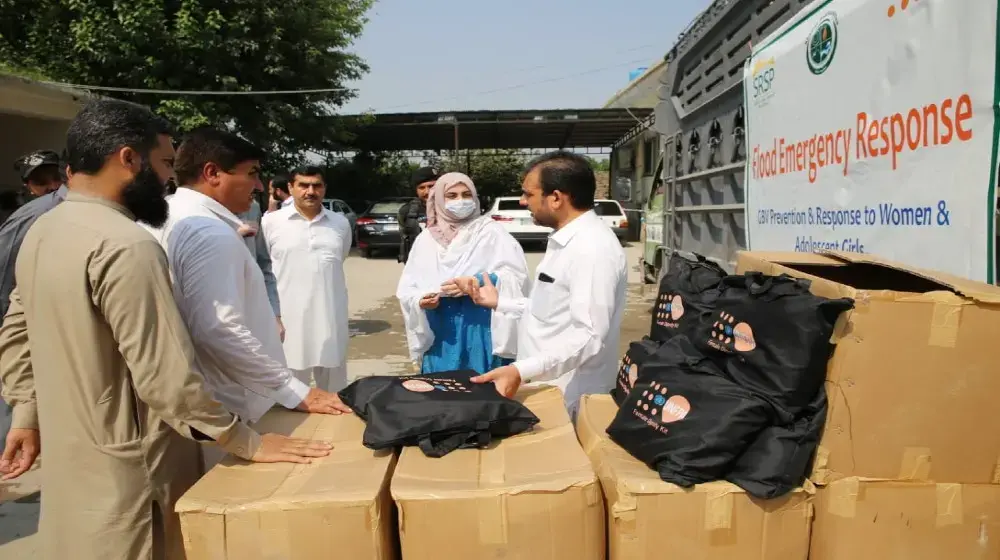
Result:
pixel 308 246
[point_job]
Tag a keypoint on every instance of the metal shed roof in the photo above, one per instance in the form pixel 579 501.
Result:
pixel 474 130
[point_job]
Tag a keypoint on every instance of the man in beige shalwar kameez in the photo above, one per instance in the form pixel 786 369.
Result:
pixel 117 400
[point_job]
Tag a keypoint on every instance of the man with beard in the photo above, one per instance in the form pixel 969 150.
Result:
pixel 568 336
pixel 413 211
pixel 122 407
pixel 220 289
pixel 278 195
pixel 308 245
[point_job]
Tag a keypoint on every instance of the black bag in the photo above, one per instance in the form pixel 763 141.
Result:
pixel 439 412
pixel 772 336
pixel 628 369
pixel 685 419
pixel 780 459
pixel 686 292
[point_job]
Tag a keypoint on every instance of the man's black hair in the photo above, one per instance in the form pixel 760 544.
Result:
pixel 566 172
pixel 307 171
pixel 105 126
pixel 280 183
pixel 212 145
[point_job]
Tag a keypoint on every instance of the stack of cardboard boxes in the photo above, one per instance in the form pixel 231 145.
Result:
pixel 531 496
pixel 908 463
pixel 907 468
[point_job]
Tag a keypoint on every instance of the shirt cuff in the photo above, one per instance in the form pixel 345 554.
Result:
pixel 292 393
pixel 507 305
pixel 241 441
pixel 25 416
pixel 529 368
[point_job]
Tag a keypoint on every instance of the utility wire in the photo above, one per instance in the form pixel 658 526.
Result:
pixel 195 92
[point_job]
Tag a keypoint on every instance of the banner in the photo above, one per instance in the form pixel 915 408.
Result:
pixel 871 128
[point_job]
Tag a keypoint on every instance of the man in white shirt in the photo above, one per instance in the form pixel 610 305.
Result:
pixel 218 286
pixel 250 230
pixel 308 245
pixel 569 331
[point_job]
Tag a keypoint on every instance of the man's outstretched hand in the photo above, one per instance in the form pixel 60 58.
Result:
pixel 21 449
pixel 486 295
pixel 319 401
pixel 276 448
pixel 507 380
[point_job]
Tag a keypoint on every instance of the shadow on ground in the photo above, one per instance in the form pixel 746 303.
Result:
pixel 364 327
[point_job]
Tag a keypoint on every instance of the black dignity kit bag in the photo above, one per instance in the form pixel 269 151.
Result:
pixel 772 336
pixel 685 419
pixel 686 292
pixel 438 412
pixel 628 369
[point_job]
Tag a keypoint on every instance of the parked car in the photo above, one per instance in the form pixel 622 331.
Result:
pixel 337 205
pixel 378 227
pixel 612 213
pixel 517 220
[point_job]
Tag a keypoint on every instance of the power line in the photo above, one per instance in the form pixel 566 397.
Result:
pixel 194 92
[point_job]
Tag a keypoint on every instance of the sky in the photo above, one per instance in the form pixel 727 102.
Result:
pixel 438 55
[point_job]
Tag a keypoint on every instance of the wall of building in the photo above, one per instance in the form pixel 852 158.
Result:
pixel 33 116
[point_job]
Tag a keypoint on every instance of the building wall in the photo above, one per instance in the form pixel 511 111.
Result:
pixel 633 168
pixel 22 135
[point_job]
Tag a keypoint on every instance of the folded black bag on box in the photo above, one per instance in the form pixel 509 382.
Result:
pixel 686 292
pixel 780 459
pixel 439 412
pixel 772 336
pixel 628 368
pixel 685 419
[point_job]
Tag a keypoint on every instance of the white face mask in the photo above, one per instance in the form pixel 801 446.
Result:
pixel 461 208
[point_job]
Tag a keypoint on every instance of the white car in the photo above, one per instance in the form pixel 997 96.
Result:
pixel 612 213
pixel 518 222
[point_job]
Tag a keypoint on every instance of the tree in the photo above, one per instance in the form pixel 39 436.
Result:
pixel 233 45
pixel 497 173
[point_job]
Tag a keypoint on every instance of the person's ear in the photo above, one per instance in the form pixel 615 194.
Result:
pixel 129 159
pixel 211 173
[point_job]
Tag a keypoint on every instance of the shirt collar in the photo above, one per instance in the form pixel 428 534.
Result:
pixel 61 192
pixel 293 212
pixel 564 234
pixel 86 199
pixel 187 195
pixel 286 202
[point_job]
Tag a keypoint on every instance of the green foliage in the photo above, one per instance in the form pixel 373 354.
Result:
pixel 495 174
pixel 232 45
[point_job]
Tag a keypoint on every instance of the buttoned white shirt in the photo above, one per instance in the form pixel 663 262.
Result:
pixel 220 292
pixel 308 259
pixel 570 323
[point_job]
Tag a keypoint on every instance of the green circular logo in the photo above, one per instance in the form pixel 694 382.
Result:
pixel 822 44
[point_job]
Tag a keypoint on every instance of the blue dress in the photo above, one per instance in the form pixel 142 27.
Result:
pixel 462 336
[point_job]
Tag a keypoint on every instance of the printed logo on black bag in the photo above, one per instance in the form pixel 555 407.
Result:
pixel 729 335
pixel 436 384
pixel 669 310
pixel 627 374
pixel 656 409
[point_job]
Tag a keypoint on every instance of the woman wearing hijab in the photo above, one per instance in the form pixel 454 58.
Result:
pixel 445 330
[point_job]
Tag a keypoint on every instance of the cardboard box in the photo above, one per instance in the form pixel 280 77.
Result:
pixel 533 496
pixel 860 519
pixel 649 519
pixel 338 505
pixel 913 381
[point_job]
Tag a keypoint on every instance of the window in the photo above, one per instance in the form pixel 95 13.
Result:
pixel 607 208
pixel 648 156
pixel 509 204
pixel 388 207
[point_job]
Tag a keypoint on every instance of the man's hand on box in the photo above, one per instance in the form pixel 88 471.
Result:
pixel 276 448
pixel 319 401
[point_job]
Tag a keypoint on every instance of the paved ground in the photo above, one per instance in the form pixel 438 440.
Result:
pixel 378 347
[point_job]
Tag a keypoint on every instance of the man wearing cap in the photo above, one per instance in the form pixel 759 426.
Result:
pixel 40 172
pixel 413 211
pixel 41 176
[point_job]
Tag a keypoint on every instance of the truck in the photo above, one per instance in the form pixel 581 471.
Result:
pixel 851 125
